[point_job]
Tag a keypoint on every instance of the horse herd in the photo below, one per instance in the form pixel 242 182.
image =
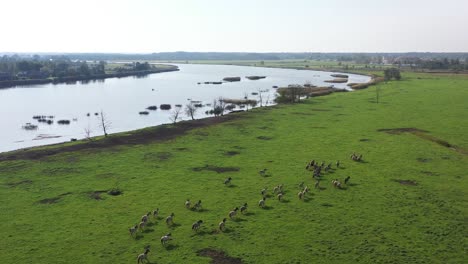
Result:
pixel 278 191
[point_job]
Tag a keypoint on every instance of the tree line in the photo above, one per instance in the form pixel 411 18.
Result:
pixel 36 67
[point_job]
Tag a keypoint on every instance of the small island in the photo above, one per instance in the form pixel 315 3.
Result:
pixel 337 80
pixel 339 75
pixel 232 79
pixel 253 78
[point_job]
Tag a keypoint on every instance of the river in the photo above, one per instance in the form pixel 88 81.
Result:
pixel 121 99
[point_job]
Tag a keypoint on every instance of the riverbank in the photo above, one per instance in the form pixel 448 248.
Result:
pixel 79 103
pixel 57 80
pixel 148 92
pixel 136 137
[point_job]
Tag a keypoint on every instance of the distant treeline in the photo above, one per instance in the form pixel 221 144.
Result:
pixel 434 64
pixel 356 57
pixel 72 79
pixel 364 58
pixel 71 64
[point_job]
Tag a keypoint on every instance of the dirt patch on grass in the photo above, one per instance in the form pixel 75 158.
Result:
pixel 53 199
pixel 406 182
pixel 231 153
pixel 216 169
pixel 15 184
pixel 430 173
pixel 218 256
pixel 96 195
pixel 138 137
pixel 264 138
pixel 107 175
pixel 423 160
pixel 423 135
pixel 401 130
pixel 50 200
pixel 115 192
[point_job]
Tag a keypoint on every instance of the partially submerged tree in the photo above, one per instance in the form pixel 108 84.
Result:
pixel 190 110
pixel 260 97
pixel 175 114
pixel 218 107
pixel 87 131
pixel 104 123
pixel 291 94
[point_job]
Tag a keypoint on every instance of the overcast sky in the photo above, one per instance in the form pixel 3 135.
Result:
pixel 143 26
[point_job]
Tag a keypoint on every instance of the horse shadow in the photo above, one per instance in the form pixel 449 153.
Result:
pixel 148 230
pixel 228 230
pixel 149 224
pixel 171 246
pixel 201 210
pixel 174 225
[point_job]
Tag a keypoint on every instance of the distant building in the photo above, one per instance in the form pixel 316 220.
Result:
pixel 32 75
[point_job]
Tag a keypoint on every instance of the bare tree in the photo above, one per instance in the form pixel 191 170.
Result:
pixel 87 131
pixel 175 114
pixel 246 97
pixel 221 106
pixel 104 123
pixel 190 110
pixel 260 97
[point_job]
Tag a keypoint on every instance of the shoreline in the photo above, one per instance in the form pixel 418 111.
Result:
pixel 57 80
pixel 120 138
pixel 133 137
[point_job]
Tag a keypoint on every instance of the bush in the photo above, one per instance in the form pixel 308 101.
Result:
pixel 165 107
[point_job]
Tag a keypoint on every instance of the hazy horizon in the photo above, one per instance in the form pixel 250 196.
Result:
pixel 144 26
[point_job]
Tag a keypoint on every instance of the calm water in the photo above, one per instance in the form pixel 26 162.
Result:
pixel 122 99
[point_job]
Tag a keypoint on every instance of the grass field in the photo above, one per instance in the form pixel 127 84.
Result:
pixel 405 203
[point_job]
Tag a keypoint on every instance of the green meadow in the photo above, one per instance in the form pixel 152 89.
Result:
pixel 406 201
